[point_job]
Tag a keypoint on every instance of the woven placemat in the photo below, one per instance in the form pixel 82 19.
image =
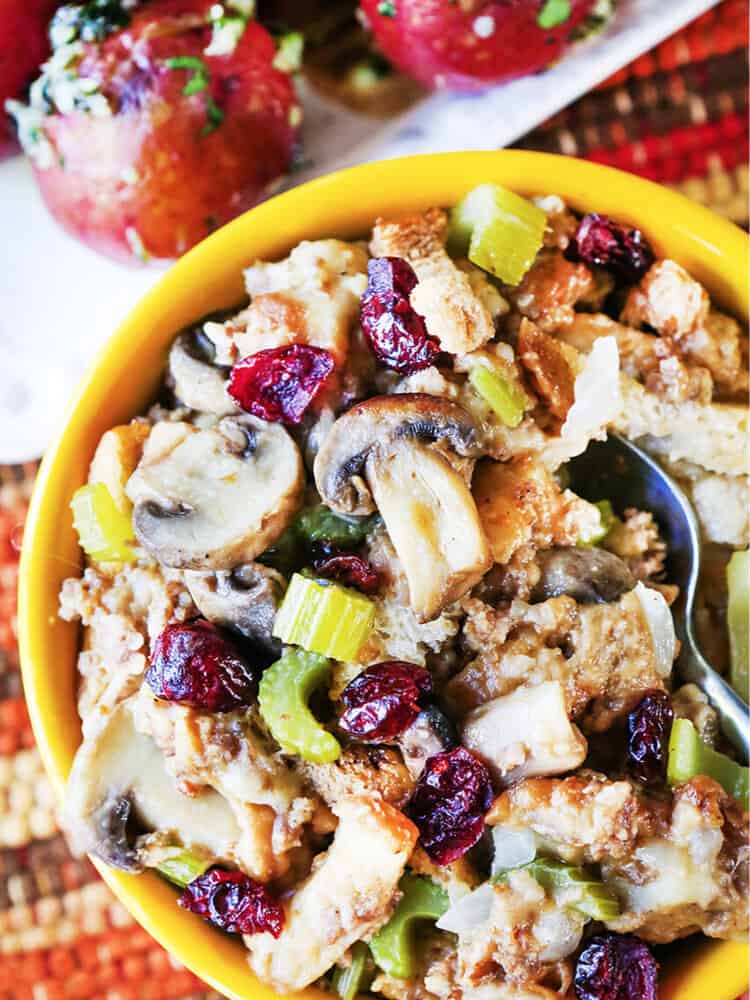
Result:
pixel 677 115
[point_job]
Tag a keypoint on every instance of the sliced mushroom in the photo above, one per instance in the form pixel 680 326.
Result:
pixel 378 452
pixel 340 463
pixel 215 498
pixel 119 780
pixel 195 381
pixel 525 733
pixel 245 599
pixel 591 576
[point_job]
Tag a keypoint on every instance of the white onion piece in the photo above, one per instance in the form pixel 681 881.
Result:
pixel 660 625
pixel 512 848
pixel 559 933
pixel 469 912
pixel 597 392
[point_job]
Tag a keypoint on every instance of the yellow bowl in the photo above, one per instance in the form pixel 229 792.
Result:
pixel 124 379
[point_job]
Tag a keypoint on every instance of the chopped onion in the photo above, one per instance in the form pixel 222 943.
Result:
pixel 469 912
pixel 512 848
pixel 597 392
pixel 660 625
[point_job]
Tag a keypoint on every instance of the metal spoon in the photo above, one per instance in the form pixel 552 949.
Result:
pixel 618 471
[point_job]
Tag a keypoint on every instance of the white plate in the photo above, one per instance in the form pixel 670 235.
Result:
pixel 61 300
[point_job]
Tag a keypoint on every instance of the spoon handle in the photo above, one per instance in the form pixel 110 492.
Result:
pixel 734 715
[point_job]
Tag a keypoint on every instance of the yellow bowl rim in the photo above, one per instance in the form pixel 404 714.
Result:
pixel 713 249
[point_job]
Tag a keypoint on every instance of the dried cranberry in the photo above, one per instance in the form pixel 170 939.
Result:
pixel 600 241
pixel 197 665
pixel 397 334
pixel 280 383
pixel 350 569
pixel 234 902
pixel 452 796
pixel 616 967
pixel 649 725
pixel 383 700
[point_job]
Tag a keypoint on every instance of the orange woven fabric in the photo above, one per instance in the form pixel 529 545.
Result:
pixel 678 115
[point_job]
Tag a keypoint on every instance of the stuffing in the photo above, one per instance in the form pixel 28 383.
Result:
pixel 584 818
pixel 524 937
pixel 434 977
pixel 550 289
pixel 123 609
pixel 653 360
pixel 229 753
pixel 360 770
pixel 689 702
pixel 454 313
pixel 310 297
pixel 713 436
pixel 521 504
pixel 691 876
pixel 602 654
pixel 721 348
pixel 458 878
pixel 552 367
pixel 562 224
pixel 636 540
pixel 668 300
pixel 348 895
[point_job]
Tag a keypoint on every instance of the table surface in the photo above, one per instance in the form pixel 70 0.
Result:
pixel 677 115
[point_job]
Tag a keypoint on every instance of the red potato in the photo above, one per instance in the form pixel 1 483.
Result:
pixel 164 167
pixel 470 44
pixel 23 48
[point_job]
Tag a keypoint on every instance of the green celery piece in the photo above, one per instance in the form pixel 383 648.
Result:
pixel 690 756
pixel 738 613
pixel 505 398
pixel 183 867
pixel 349 982
pixel 286 553
pixel 324 617
pixel 392 947
pixel 320 524
pixel 104 532
pixel 553 14
pixel 579 890
pixel 501 231
pixel 608 520
pixel 284 691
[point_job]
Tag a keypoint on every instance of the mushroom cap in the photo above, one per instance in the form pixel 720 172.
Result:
pixel 195 381
pixel 591 576
pixel 245 599
pixel 215 498
pixel 340 463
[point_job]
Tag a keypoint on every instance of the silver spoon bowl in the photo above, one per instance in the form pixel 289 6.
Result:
pixel 622 473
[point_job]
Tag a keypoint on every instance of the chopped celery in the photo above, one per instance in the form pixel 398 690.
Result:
pixel 183 867
pixel 286 553
pixel 320 524
pixel 738 613
pixel 283 694
pixel 324 617
pixel 104 532
pixel 506 399
pixel 501 231
pixel 349 982
pixel 690 756
pixel 572 886
pixel 607 521
pixel 392 947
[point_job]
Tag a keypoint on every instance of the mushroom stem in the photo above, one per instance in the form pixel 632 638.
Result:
pixel 432 521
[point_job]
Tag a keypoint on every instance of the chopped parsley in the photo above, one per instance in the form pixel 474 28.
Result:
pixel 387 8
pixel 198 82
pixel 201 75
pixel 553 13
